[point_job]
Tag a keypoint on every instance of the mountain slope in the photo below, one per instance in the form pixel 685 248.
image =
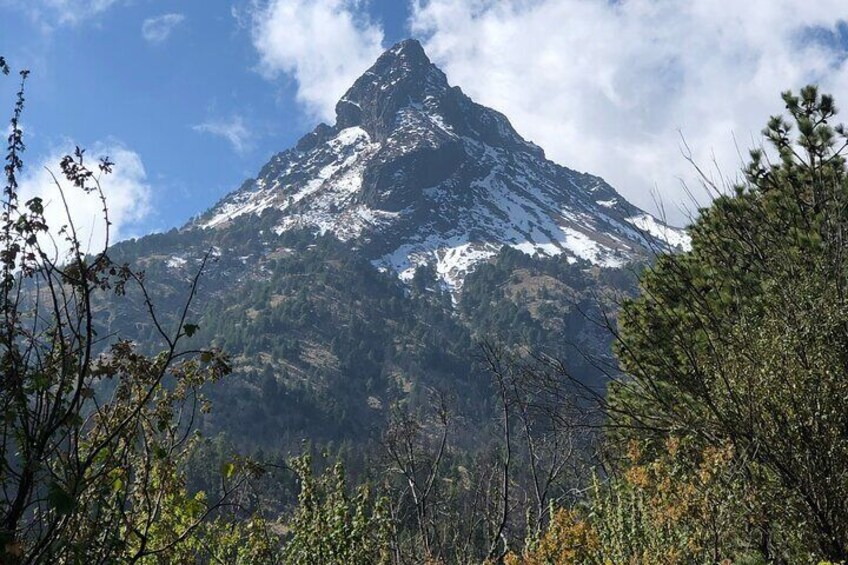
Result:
pixel 474 235
pixel 323 344
pixel 414 172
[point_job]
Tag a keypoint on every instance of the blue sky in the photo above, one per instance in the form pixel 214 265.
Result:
pixel 195 95
pixel 99 81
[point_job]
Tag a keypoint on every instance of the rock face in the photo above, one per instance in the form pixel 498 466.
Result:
pixel 414 172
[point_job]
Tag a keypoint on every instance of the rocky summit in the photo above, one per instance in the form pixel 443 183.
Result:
pixel 416 173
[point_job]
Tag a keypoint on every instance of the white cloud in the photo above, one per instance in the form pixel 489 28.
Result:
pixel 54 13
pixel 159 28
pixel 608 87
pixel 128 196
pixel 323 44
pixel 233 130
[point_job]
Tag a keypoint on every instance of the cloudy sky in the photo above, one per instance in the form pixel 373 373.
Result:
pixel 190 97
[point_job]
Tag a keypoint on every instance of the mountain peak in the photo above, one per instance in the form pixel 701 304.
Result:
pixel 410 49
pixel 403 60
pixel 400 76
pixel 415 172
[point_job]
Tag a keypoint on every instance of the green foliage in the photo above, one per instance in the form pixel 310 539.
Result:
pixel 742 340
pixel 333 528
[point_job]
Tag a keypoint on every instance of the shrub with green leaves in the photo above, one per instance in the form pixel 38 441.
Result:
pixel 330 527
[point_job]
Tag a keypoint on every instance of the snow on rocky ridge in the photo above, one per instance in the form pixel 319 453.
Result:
pixel 414 173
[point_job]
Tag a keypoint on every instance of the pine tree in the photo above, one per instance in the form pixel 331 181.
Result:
pixel 744 340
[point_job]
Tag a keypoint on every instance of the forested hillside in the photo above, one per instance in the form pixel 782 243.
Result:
pixel 323 344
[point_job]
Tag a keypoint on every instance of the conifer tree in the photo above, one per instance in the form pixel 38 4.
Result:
pixel 743 341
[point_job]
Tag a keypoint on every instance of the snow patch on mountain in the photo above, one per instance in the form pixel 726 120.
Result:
pixel 452 258
pixel 334 176
pixel 176 262
pixel 239 205
pixel 674 237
